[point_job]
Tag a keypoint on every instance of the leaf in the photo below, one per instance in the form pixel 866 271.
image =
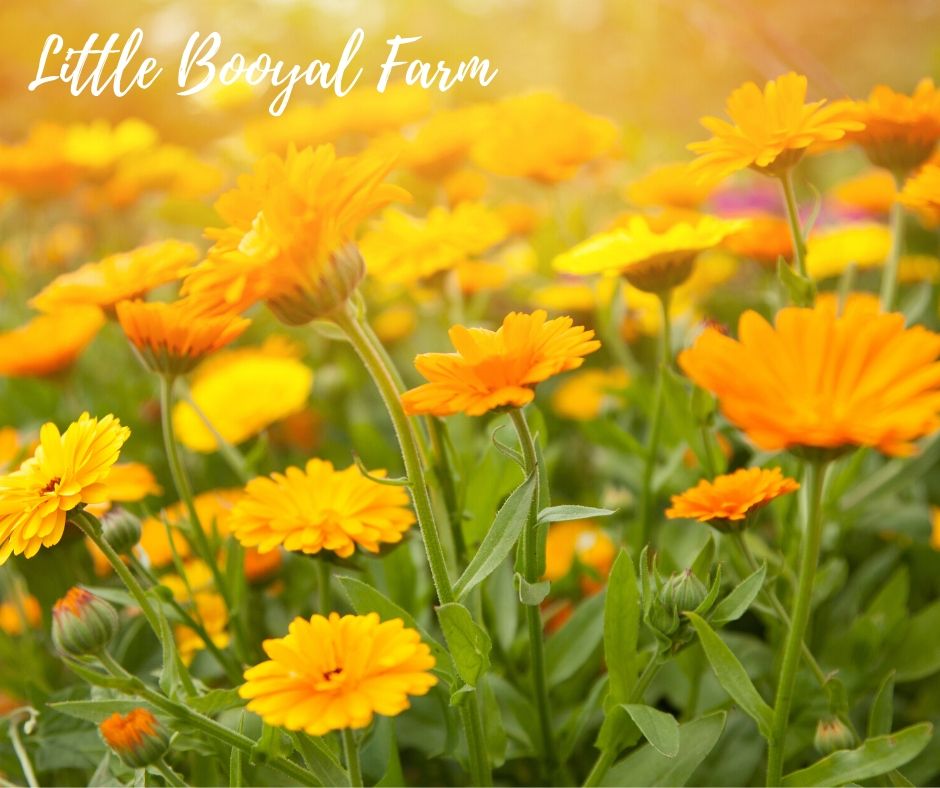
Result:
pixel 732 676
pixel 659 728
pixel 735 605
pixel 468 642
pixel 874 757
pixel 893 476
pixel 319 759
pixel 648 767
pixel 500 538
pixel 881 715
pixel 97 711
pixel 170 673
pixel 918 655
pixel 621 628
pixel 702 565
pixel 215 701
pixel 569 648
pixel 800 289
pixel 559 514
pixel 532 593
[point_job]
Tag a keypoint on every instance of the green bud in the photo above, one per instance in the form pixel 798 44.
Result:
pixel 832 735
pixel 82 623
pixel 683 592
pixel 121 530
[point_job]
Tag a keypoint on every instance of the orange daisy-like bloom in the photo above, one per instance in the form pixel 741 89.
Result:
pixel 766 238
pixel 319 508
pixel 336 673
pixel 67 469
pixel 770 130
pixel 138 737
pixel 494 369
pixel 48 343
pixel 172 338
pixel 584 541
pixel 899 131
pixel 119 277
pixel 729 499
pixel 289 224
pixel 921 193
pixel 818 380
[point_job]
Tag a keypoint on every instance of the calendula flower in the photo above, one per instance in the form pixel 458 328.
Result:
pixel 319 508
pixel 171 169
pixel 66 470
pixel 829 252
pixel 443 142
pixel 765 238
pixel 48 343
pixel 899 131
pixel 648 259
pixel 336 673
pixel 211 508
pixel 584 541
pixel 509 263
pixel 118 277
pixel 566 294
pixel 126 483
pixel 16 615
pixel 770 130
pixel 494 369
pixel 272 384
pixel 541 137
pixel 871 194
pixel 921 193
pixel 289 224
pixel 210 611
pixel 172 338
pixel 670 186
pixel 138 738
pixel 818 380
pixel 465 185
pixel 261 566
pixel 39 166
pixel 730 499
pixel 587 393
pixel 395 323
pixel 98 146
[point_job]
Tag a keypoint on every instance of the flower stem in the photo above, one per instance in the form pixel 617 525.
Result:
pixel 387 381
pixel 530 568
pixel 793 217
pixel 889 277
pixel 351 751
pixel 20 751
pixel 809 559
pixel 168 774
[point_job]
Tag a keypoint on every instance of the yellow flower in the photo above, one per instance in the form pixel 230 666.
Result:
pixel 921 193
pixel 65 471
pixel 506 264
pixel 126 483
pixel 916 268
pixel 404 249
pixel 167 168
pixel 336 673
pixel 770 130
pixel 48 343
pixel 585 541
pixel 395 323
pixel 211 612
pixel 566 294
pixel 270 381
pixel 541 137
pixel 465 186
pixel 319 508
pixel 18 614
pixel 765 238
pixel 586 394
pixel 670 186
pixel 818 380
pixel 649 260
pixel 872 192
pixel 830 252
pixel 444 141
pixel 39 167
pixel 172 338
pixel 98 146
pixel 119 277
pixel 899 131
pixel 494 369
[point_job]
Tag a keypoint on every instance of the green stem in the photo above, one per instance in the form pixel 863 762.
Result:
pixel 530 570
pixel 889 277
pixel 232 456
pixel 351 751
pixel 374 359
pixel 809 559
pixel 601 766
pixel 168 774
pixel 793 217
pixel 21 755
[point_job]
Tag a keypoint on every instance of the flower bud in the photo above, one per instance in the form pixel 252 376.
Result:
pixel 138 738
pixel 82 623
pixel 121 530
pixel 683 591
pixel 832 735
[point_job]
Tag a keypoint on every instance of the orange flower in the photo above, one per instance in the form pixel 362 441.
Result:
pixel 670 186
pixel 921 193
pixel 818 380
pixel 118 277
pixel 732 497
pixel 19 613
pixel 138 737
pixel 770 129
pixel 873 192
pixel 48 343
pixel 210 506
pixel 765 238
pixel 172 338
pixel 493 369
pixel 585 541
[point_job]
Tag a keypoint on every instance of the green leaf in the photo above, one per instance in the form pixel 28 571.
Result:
pixel 569 648
pixel 702 565
pixel 893 476
pixel 532 593
pixel 648 767
pixel 468 642
pixel 881 715
pixel 732 676
pixel 97 711
pixel 320 759
pixel 559 514
pixel 496 739
pixel 735 605
pixel 621 628
pixel 918 655
pixel 874 757
pixel 215 701
pixel 801 290
pixel 500 538
pixel 170 673
pixel 660 729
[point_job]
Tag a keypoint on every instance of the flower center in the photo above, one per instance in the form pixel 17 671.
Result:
pixel 50 485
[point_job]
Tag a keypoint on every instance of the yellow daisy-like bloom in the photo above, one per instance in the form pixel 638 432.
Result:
pixel 766 238
pixel 541 137
pixel 67 469
pixel 39 166
pixel 18 614
pixel 495 369
pixel 404 249
pixel 921 193
pixel 872 192
pixel 770 130
pixel 126 483
pixel 585 541
pixel 648 259
pixel 211 508
pixel 586 394
pixel 395 323
pixel 445 140
pixel 119 277
pixel 818 380
pixel 320 508
pixel 829 252
pixel 48 343
pixel 670 186
pixel 728 500
pixel 168 168
pixel 272 383
pixel 336 673
pixel 899 131
pixel 289 224
pixel 172 338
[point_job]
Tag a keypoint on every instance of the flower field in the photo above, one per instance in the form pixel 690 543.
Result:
pixel 412 438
